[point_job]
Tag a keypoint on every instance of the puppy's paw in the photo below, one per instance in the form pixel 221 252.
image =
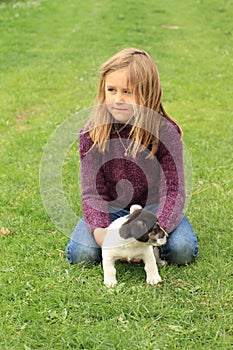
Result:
pixel 110 283
pixel 161 262
pixel 153 280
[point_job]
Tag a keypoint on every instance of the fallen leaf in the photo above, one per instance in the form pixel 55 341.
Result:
pixel 170 27
pixel 61 252
pixel 178 284
pixel 5 231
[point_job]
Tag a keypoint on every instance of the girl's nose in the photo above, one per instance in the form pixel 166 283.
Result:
pixel 119 97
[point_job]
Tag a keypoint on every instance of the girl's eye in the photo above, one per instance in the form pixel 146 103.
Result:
pixel 113 90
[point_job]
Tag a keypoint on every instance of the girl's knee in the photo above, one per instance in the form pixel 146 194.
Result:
pixel 182 245
pixel 183 254
pixel 71 253
pixel 76 253
pixel 180 253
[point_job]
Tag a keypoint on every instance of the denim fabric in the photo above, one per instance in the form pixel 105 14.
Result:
pixel 181 247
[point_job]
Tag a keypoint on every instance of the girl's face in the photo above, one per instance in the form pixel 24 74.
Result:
pixel 119 96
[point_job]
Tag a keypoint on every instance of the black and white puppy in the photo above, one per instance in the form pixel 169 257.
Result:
pixel 133 237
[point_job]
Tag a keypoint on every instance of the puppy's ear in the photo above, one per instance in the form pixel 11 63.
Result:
pixel 136 229
pixel 140 231
pixel 125 230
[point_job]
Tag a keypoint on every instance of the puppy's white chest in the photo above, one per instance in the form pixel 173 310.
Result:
pixel 129 251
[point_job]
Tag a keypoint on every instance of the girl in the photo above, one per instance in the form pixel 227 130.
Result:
pixel 131 153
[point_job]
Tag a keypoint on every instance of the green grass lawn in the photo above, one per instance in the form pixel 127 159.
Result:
pixel 50 52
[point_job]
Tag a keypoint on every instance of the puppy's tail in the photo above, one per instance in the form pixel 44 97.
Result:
pixel 134 207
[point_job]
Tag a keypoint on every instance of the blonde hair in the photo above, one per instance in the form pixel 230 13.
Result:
pixel 144 81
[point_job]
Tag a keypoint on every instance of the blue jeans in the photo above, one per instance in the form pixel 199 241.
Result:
pixel 181 247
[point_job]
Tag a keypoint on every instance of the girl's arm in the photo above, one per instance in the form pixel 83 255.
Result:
pixel 172 183
pixel 94 202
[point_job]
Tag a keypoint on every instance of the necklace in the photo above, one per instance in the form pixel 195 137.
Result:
pixel 126 153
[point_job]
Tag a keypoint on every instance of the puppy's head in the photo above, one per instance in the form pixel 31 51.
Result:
pixel 157 236
pixel 142 225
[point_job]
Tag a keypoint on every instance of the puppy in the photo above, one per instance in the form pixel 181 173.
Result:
pixel 133 237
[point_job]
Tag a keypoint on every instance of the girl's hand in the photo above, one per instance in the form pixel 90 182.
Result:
pixel 99 235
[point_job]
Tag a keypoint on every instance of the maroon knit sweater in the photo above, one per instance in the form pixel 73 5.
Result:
pixel 111 179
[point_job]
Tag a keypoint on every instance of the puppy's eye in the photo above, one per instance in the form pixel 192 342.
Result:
pixel 160 234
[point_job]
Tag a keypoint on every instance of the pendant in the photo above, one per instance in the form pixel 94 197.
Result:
pixel 126 154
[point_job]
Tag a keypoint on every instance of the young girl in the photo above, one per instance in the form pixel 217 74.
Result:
pixel 131 153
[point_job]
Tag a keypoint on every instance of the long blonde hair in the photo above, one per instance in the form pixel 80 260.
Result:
pixel 143 79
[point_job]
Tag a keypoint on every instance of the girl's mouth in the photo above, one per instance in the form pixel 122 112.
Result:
pixel 120 109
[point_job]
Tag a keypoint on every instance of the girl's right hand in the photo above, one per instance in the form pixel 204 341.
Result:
pixel 99 235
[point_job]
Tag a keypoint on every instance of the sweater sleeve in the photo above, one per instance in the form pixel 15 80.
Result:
pixel 95 207
pixel 172 184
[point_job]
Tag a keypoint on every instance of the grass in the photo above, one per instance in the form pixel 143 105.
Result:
pixel 50 55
